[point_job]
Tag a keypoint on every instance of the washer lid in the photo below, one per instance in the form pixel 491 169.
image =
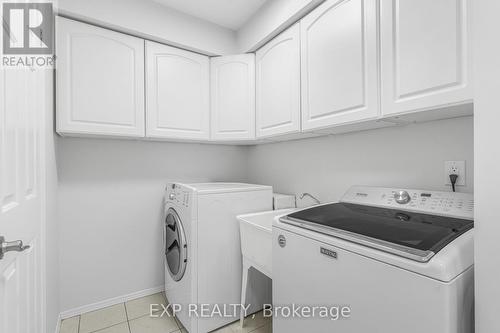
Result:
pixel 411 235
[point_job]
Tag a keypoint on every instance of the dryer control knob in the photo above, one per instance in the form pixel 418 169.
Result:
pixel 402 197
pixel 171 196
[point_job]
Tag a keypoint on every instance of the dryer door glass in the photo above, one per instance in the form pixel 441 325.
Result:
pixel 175 245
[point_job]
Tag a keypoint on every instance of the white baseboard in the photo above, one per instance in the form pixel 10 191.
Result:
pixel 58 324
pixel 109 302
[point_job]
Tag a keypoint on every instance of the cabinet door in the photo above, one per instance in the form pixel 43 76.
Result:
pixel 177 88
pixel 339 63
pixel 100 81
pixel 425 58
pixel 232 91
pixel 278 85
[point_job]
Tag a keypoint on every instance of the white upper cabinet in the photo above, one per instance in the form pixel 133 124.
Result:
pixel 100 81
pixel 232 90
pixel 177 93
pixel 425 57
pixel 339 63
pixel 278 85
pixel 347 64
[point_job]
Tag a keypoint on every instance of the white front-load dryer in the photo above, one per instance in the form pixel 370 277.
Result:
pixel 178 246
pixel 203 265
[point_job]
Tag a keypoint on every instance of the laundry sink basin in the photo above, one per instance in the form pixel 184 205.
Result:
pixel 256 238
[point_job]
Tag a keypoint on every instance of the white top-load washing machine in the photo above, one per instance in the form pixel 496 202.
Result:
pixel 203 262
pixel 394 260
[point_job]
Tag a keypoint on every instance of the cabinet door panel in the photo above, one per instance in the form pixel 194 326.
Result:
pixel 100 81
pixel 339 63
pixel 233 97
pixel 425 60
pixel 278 85
pixel 177 90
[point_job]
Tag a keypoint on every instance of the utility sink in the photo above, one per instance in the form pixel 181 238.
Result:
pixel 256 239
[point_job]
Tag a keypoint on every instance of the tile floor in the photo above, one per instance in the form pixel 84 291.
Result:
pixel 133 317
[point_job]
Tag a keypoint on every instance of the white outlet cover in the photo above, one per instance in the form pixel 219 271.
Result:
pixel 449 167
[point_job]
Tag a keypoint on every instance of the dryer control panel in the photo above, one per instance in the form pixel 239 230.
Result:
pixel 453 204
pixel 177 194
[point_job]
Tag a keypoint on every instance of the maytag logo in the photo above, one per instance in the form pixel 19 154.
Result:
pixel 328 252
pixel 28 34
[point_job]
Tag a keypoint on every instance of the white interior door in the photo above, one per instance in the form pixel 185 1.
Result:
pixel 22 199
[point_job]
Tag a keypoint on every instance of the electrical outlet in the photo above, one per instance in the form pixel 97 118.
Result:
pixel 454 167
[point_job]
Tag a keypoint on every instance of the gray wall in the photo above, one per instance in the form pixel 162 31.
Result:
pixel 110 196
pixel 409 156
pixel 110 191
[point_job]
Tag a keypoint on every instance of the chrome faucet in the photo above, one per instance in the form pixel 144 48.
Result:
pixel 310 196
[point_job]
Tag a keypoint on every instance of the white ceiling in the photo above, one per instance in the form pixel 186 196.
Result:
pixel 231 14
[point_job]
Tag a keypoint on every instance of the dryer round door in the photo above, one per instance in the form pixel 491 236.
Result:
pixel 175 245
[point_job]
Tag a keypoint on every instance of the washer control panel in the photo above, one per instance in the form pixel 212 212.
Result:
pixel 459 205
pixel 177 194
